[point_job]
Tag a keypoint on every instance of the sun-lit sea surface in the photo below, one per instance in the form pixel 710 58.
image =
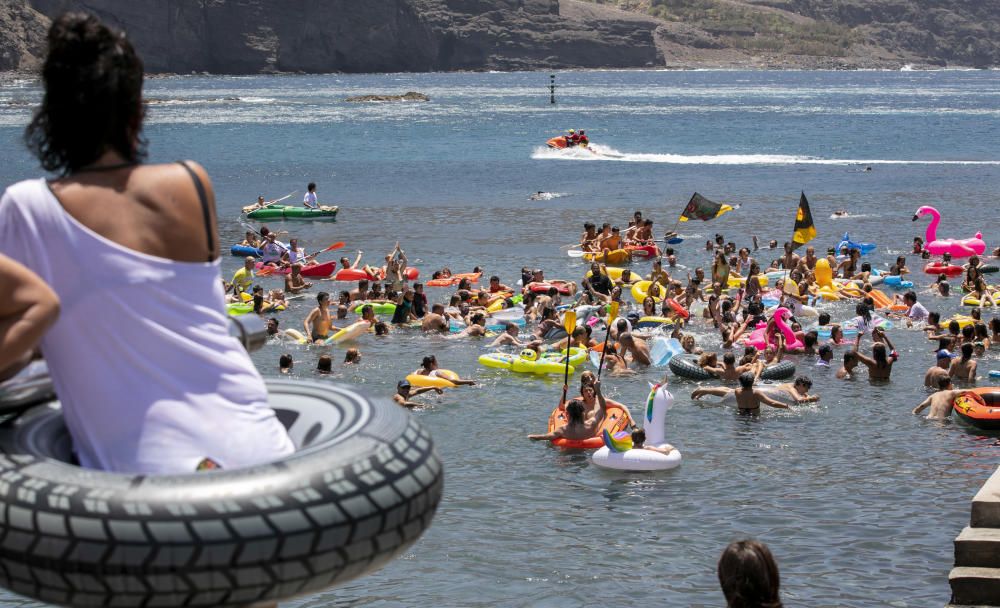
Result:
pixel 859 499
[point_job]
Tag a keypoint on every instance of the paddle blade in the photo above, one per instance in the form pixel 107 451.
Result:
pixel 335 246
pixel 569 321
pixel 265 271
pixel 575 253
pixel 613 311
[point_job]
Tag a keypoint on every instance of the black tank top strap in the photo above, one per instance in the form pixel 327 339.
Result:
pixel 203 199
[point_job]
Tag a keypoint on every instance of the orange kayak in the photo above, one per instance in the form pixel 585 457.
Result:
pixel 617 419
pixel 979 407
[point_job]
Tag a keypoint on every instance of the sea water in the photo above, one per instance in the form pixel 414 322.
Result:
pixel 858 499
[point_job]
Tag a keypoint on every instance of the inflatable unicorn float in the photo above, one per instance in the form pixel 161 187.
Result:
pixel 618 451
pixel 958 248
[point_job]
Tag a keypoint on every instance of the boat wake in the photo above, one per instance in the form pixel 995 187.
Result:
pixel 547 196
pixel 606 153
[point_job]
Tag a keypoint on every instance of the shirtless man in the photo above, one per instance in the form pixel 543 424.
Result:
pixel 637 347
pixel 361 292
pixel 938 371
pixel 496 285
pixel 576 428
pixel 790 260
pixel 612 241
pixel 941 401
pixel 476 327
pixel 964 367
pixel 748 399
pixel 404 391
pixel 318 324
pixel 435 321
pixel 508 337
pixel 294 283
pixel 729 372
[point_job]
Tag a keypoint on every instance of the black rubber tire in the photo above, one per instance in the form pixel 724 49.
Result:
pixel 355 495
pixel 988 269
pixel 686 366
pixel 778 371
pixel 31 385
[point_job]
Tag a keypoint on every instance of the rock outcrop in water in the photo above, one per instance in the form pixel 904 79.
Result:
pixel 411 96
pixel 318 36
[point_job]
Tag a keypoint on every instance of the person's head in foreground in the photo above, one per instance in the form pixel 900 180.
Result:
pixel 748 575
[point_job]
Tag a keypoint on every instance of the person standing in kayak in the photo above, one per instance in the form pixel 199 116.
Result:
pixel 149 382
pixel 310 200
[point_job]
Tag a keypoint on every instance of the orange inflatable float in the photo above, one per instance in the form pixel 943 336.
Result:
pixel 979 407
pixel 616 420
pixel 455 279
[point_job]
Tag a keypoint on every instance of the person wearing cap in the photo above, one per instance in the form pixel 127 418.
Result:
pixel 404 391
pixel 939 369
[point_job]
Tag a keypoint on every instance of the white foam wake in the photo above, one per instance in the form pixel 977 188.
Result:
pixel 605 153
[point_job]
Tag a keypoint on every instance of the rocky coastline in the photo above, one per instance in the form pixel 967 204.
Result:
pixel 344 36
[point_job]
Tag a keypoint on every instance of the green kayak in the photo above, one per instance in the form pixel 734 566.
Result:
pixel 291 212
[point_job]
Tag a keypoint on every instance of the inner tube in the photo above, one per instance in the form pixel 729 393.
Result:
pixel 686 366
pixel 442 379
pixel 950 270
pixel 778 371
pixel 245 250
pixel 979 407
pixel 362 486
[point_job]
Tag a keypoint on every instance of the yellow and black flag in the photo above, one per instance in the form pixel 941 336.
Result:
pixel 700 208
pixel 805 229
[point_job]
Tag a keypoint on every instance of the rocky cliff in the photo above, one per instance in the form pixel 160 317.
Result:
pixel 251 36
pixel 255 36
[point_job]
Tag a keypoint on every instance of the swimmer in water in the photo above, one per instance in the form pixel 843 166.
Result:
pixel 318 324
pixel 941 401
pixel 748 399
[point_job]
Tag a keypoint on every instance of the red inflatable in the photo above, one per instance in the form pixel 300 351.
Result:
pixel 316 270
pixel 941 268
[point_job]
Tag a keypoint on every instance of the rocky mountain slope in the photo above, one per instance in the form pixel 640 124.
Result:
pixel 936 32
pixel 260 36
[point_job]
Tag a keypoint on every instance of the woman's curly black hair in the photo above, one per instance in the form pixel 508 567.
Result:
pixel 93 97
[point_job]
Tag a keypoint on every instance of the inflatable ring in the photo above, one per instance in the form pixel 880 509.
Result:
pixel 616 419
pixel 686 366
pixel 640 290
pixel 778 371
pixel 979 407
pixel 362 486
pixel 352 331
pixel 443 379
pixel 654 321
pixel 379 308
pixel 974 301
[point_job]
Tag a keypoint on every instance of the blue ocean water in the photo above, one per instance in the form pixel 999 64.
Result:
pixel 859 499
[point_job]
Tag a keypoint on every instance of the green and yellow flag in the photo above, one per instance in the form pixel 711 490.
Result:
pixel 805 230
pixel 700 208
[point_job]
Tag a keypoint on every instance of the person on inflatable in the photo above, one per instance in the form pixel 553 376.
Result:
pixel 576 428
pixel 429 367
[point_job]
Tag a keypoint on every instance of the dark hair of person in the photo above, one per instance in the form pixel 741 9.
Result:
pixel 995 325
pixel 746 380
pixel 864 312
pixel 285 361
pixel 826 349
pixel 879 354
pixel 749 576
pixel 324 364
pixel 966 352
pixel 574 410
pixel 944 382
pixel 311 186
pixel 850 357
pixel 93 97
pixel 638 438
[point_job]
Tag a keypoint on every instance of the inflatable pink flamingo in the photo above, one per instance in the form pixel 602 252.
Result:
pixel 957 248
pixel 758 338
pixel 792 341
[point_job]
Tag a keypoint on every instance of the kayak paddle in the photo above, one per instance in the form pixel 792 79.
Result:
pixel 569 323
pixel 276 201
pixel 575 253
pixel 612 315
pixel 269 270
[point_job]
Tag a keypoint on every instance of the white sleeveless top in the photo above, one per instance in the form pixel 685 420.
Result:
pixel 141 357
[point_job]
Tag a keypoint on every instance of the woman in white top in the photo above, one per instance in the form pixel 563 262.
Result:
pixel 149 379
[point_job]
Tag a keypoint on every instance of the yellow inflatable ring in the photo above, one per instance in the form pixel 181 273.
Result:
pixel 442 379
